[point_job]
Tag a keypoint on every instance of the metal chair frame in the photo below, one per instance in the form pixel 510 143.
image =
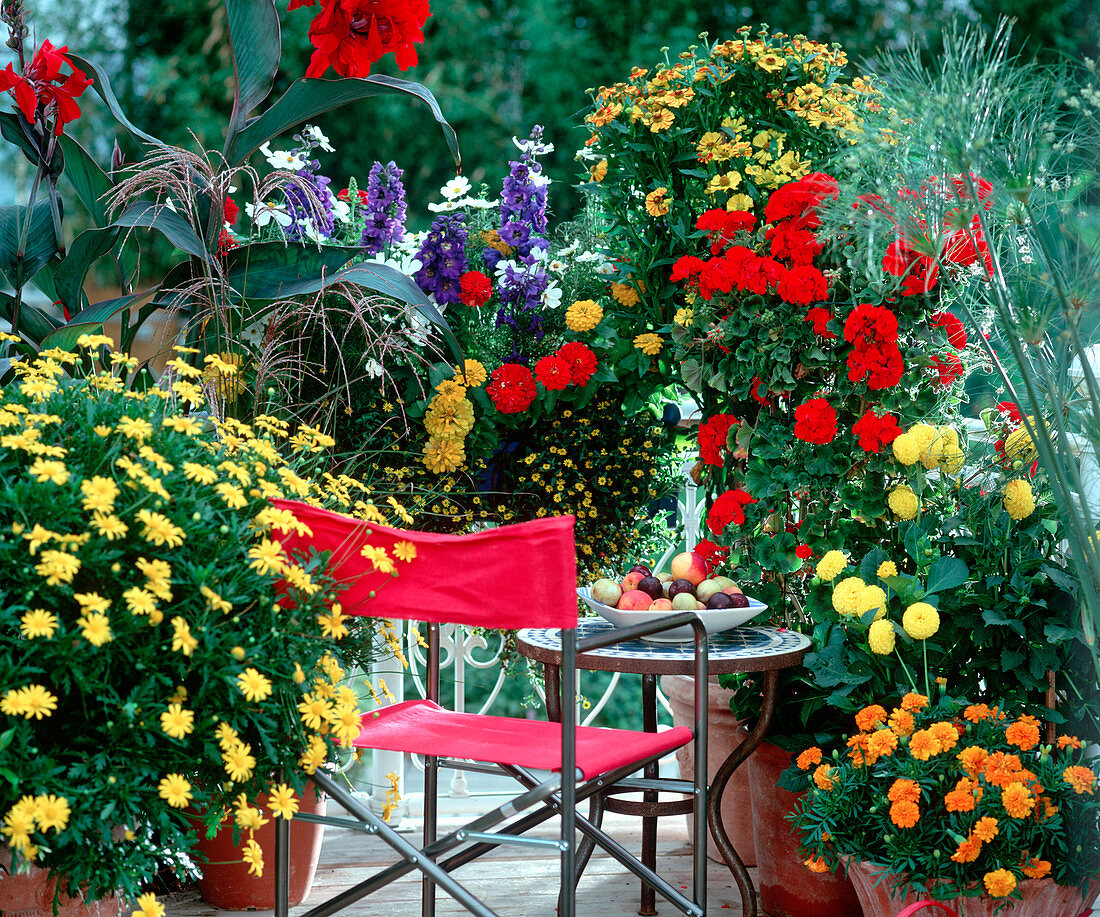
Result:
pixel 555 794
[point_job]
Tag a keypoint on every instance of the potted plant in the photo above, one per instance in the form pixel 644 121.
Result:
pixel 962 803
pixel 158 648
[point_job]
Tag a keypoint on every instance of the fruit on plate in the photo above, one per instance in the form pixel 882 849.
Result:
pixel 681 585
pixel 706 589
pixel 685 601
pixel 652 587
pixel 688 587
pixel 634 600
pixel 689 566
pixel 720 600
pixel 661 605
pixel 606 592
pixel 640 568
pixel 738 600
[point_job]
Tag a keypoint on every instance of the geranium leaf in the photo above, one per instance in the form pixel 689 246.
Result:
pixel 307 98
pixel 256 44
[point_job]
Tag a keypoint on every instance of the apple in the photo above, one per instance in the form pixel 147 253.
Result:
pixel 738 600
pixel 720 600
pixel 606 592
pixel 706 589
pixel 661 605
pixel 689 566
pixel 652 587
pixel 699 606
pixel 634 600
pixel 684 601
pixel 640 568
pixel 630 581
pixel 681 585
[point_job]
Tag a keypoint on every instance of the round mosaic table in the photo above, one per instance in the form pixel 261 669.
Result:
pixel 766 650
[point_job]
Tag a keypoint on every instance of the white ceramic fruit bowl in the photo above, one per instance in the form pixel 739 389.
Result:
pixel 715 620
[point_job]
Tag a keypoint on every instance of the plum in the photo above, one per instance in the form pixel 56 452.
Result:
pixel 681 585
pixel 720 600
pixel 651 586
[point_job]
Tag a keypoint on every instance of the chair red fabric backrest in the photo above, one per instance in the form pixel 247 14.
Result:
pixel 513 576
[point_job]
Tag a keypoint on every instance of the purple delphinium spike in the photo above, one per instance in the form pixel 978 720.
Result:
pixel 443 256
pixel 302 214
pixel 385 208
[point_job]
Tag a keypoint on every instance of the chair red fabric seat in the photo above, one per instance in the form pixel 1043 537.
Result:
pixel 424 728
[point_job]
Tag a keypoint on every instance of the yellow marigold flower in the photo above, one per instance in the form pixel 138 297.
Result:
pixel 175 790
pixel 159 530
pixel 952 460
pixel 148 906
pixel 1019 499
pixel 473 374
pixel 583 315
pixel 831 565
pixel 252 854
pixel 1017 801
pixel 57 567
pixel 904 502
pixel 182 639
pixel 1020 447
pixel 1000 883
pixel 881 637
pixel 872 597
pixel 886 569
pixel 404 551
pixel 254 685
pixel 38 623
pixel 920 620
pixel 816 863
pixel 177 722
pixel 95 628
pixel 657 202
pixel 52 812
pixel 1036 868
pixel 282 802
pixel 1080 778
pixel 201 474
pixel 332 624
pixel 650 344
pixel 443 455
pixel 846 595
pixel 50 472
pixel 907 449
pixel 239 762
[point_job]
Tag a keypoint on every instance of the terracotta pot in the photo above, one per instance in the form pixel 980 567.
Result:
pixel 785 886
pixel 30 894
pixel 1041 897
pixel 226 882
pixel 724 734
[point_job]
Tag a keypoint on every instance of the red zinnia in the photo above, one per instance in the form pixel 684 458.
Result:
pixel 815 422
pixel 581 360
pixel 820 318
pixel 728 509
pixel 956 333
pixel 713 436
pixel 511 388
pixel 350 35
pixel 41 84
pixel 874 432
pixel 474 289
pixel 553 372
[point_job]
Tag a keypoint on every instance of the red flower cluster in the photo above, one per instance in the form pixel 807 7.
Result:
pixel 919 272
pixel 713 437
pixel 474 289
pixel 511 388
pixel 360 195
pixel 231 211
pixel 712 554
pixel 581 359
pixel 1011 411
pixel 873 333
pixel 728 509
pixel 815 422
pixel 820 317
pixel 41 85
pixel 949 367
pixel 803 552
pixel 350 35
pixel 799 200
pixel 553 373
pixel 874 432
pixel 722 225
pixel 956 333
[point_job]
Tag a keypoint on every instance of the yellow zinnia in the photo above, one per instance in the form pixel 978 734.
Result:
pixel 583 315
pixel 650 344
pixel 1019 499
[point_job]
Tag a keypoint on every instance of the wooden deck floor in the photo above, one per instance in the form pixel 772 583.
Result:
pixel 515 881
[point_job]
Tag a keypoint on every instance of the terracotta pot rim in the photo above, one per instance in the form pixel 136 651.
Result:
pixel 876 870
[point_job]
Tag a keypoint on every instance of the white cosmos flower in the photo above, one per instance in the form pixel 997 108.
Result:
pixel 477 203
pixel 373 368
pixel 558 267
pixel 261 214
pixel 551 297
pixel 586 256
pixel 570 249
pixel 282 159
pixel 341 211
pixel 503 265
pixel 314 134
pixel 539 180
pixel 457 187
pixel 606 267
pixel 405 262
pixel 444 207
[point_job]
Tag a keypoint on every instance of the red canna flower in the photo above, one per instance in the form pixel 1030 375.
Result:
pixel 40 90
pixel 350 35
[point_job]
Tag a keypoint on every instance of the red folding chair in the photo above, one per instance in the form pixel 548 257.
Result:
pixel 509 577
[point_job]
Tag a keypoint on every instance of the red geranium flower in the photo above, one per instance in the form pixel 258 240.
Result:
pixel 799 246
pixel 686 268
pixel 983 188
pixel 1010 410
pixel 949 366
pixel 40 85
pixel 712 554
pixel 728 509
pixel 803 285
pixel 714 277
pixel 553 372
pixel 803 552
pixel 880 364
pixel 721 225
pixel 511 388
pixel 875 322
pixel 956 333
pixel 581 360
pixel 967 244
pixel 713 437
pixel 350 35
pixel 815 422
pixel 799 199
pixel 474 289
pixel 821 317
pixel 919 273
pixel 874 432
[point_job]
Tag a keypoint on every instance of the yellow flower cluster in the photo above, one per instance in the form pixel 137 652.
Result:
pixel 449 419
pixel 1019 499
pixel 932 447
pixel 583 315
pixel 41 813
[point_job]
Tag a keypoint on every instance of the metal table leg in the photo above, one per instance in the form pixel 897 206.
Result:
pixel 648 904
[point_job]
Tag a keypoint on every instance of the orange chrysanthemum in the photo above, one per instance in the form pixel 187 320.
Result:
pixel 923 745
pixel 816 864
pixel 869 717
pixel 946 734
pixel 1081 778
pixel 809 758
pixel 902 722
pixel 882 743
pixel 999 883
pixel 902 790
pixel 914 702
pixel 985 829
pixel 975 713
pixel 963 798
pixel 1017 801
pixel 904 814
pixel 1024 733
pixel 1069 742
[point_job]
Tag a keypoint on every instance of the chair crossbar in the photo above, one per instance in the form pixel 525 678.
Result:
pixel 516 840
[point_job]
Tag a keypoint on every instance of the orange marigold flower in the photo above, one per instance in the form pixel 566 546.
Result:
pixel 946 734
pixel 999 883
pixel 869 717
pixel 816 864
pixel 1001 769
pixel 1081 778
pixel 1045 809
pixel 977 712
pixel 902 790
pixel 1017 801
pixel 904 813
pixel 963 798
pixel 972 758
pixel 968 851
pixel 823 777
pixel 902 722
pixel 914 702
pixel 985 829
pixel 1069 742
pixel 923 745
pixel 1035 869
pixel 809 758
pixel 857 750
pixel 882 743
pixel 1024 733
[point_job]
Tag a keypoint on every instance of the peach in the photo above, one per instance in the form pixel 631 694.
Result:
pixel 732 590
pixel 634 600
pixel 631 580
pixel 661 605
pixel 606 591
pixel 689 566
